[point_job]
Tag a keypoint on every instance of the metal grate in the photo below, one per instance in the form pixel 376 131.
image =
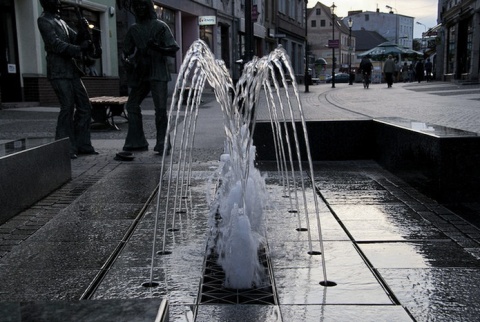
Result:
pixel 212 289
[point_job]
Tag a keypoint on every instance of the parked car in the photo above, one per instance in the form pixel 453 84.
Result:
pixel 339 78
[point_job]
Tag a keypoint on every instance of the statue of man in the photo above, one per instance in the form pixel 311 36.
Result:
pixel 147 45
pixel 64 75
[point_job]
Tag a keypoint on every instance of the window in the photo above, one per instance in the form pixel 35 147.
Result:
pixel 322 23
pixel 451 50
pixel 91 67
pixel 282 6
pixel 318 11
pixel 367 17
pixel 313 23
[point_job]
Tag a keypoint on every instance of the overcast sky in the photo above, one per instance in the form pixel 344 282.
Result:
pixel 424 11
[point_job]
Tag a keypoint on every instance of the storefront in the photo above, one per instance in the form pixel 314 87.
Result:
pixel 461 41
pixel 23 66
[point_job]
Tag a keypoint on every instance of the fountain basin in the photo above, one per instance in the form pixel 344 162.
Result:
pixel 439 161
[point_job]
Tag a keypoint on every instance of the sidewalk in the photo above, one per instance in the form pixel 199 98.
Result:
pixel 395 254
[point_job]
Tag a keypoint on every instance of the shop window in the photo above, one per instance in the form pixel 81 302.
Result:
pixel 206 34
pixel 91 66
pixel 168 16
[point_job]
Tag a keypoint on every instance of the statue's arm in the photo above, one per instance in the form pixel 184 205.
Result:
pixel 164 42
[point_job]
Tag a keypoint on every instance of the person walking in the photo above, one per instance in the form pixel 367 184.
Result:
pixel 419 71
pixel 388 70
pixel 405 73
pixel 148 43
pixel 62 48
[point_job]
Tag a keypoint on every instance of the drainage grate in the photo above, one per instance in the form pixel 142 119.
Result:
pixel 213 291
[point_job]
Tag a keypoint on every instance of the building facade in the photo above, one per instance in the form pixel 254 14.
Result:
pixel 458 49
pixel 220 23
pixel 23 68
pixel 392 26
pixel 323 27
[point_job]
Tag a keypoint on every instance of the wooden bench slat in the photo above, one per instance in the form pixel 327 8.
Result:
pixel 111 106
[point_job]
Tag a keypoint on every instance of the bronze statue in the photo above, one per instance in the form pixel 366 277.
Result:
pixel 62 47
pixel 147 44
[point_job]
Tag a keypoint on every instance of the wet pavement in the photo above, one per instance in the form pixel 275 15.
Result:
pixel 83 252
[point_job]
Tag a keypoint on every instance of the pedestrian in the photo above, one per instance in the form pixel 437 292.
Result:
pixel 428 70
pixel 419 71
pixel 62 48
pixel 388 70
pixel 148 43
pixel 405 73
pixel 411 72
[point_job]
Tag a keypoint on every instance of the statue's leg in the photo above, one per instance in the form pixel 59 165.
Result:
pixel 159 95
pixel 135 140
pixel 82 118
pixel 64 90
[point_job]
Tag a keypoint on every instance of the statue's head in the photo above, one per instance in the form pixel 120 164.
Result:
pixel 52 6
pixel 143 9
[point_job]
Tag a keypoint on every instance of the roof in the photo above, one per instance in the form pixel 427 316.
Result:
pixel 340 24
pixel 366 39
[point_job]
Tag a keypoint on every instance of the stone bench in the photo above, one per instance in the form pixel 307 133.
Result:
pixel 105 108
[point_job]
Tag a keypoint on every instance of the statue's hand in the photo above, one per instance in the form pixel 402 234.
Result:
pixel 127 63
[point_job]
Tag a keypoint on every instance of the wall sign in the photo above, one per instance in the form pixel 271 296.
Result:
pixel 207 20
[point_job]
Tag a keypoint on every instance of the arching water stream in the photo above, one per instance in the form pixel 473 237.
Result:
pixel 236 214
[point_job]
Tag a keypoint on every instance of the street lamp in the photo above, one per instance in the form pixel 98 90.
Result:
pixel 350 48
pixel 423 35
pixel 396 21
pixel 332 9
pixel 306 78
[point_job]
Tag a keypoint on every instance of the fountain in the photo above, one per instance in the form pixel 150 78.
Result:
pixel 236 221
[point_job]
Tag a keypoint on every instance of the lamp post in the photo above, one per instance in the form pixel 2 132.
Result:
pixel 332 9
pixel 423 35
pixel 396 22
pixel 306 78
pixel 350 48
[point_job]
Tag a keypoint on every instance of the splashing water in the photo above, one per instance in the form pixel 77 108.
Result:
pixel 237 208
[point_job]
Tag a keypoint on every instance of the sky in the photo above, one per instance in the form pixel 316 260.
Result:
pixel 424 11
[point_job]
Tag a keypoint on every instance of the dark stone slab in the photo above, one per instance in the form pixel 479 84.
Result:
pixel 439 161
pixel 106 310
pixel 329 140
pixel 30 169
